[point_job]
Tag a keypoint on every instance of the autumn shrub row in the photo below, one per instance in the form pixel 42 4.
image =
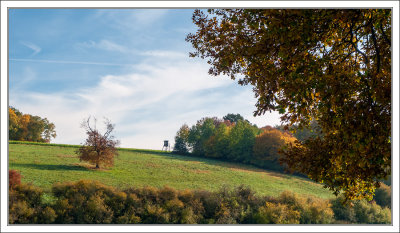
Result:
pixel 89 202
pixel 237 141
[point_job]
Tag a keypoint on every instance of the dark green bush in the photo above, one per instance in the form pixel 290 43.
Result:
pixel 343 212
pixel 383 196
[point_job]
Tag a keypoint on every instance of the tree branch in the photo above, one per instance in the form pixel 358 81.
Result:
pixel 384 34
pixel 378 57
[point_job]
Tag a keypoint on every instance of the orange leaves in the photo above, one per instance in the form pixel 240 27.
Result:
pixel 99 149
pixel 268 143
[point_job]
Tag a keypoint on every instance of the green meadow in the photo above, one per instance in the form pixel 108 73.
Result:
pixel 45 164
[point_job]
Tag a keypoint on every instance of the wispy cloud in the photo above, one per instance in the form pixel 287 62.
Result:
pixel 147 105
pixel 104 45
pixel 36 49
pixel 69 62
pixel 164 54
pixel 28 75
pixel 135 71
pixel 131 19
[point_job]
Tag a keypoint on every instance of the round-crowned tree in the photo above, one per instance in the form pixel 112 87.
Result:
pixel 98 149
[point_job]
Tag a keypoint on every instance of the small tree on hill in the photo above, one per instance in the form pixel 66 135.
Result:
pixel 98 149
pixel 181 140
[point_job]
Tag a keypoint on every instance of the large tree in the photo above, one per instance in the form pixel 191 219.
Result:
pixel 333 66
pixel 98 149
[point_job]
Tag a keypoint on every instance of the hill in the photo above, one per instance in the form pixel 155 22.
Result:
pixel 45 164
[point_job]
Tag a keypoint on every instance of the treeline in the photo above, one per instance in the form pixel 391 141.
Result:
pixel 233 139
pixel 26 127
pixel 89 202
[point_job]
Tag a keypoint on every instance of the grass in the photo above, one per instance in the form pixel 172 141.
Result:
pixel 44 164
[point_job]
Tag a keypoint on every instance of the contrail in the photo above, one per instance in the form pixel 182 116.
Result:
pixel 69 62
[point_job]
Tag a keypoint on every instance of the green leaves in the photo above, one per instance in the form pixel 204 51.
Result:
pixel 330 65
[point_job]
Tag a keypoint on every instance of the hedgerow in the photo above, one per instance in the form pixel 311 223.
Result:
pixel 90 202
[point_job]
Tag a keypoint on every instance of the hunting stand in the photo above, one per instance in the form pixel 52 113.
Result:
pixel 166 146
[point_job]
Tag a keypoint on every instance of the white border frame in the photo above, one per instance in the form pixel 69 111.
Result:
pixel 198 4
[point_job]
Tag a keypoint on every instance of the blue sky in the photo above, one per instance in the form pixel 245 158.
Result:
pixel 131 66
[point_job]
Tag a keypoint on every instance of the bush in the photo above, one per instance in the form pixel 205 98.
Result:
pixel 94 203
pixel 312 210
pixel 371 213
pixel 86 202
pixel 25 203
pixel 14 178
pixel 316 211
pixel 343 212
pixel 383 196
pixel 361 211
pixel 276 213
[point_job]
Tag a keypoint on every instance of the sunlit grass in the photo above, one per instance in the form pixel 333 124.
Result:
pixel 44 165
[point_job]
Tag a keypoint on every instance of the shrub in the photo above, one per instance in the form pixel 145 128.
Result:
pixel 20 212
pixel 312 210
pixel 47 215
pixel 383 196
pixel 96 211
pixel 371 213
pixel 276 213
pixel 25 203
pixel 86 202
pixel 343 212
pixel 14 178
pixel 93 203
pixel 361 211
pixel 316 211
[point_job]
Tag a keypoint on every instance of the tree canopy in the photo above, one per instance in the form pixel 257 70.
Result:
pixel 330 65
pixel 26 127
pixel 99 149
pixel 239 141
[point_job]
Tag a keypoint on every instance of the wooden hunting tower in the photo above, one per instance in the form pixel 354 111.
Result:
pixel 166 146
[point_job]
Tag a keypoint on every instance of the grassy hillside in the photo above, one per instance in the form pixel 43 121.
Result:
pixel 44 165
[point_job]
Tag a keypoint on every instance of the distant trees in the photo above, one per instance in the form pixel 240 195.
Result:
pixel 241 141
pixel 99 149
pixel 233 138
pixel 181 140
pixel 234 118
pixel 267 146
pixel 26 127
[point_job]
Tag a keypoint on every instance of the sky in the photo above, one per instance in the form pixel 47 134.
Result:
pixel 131 66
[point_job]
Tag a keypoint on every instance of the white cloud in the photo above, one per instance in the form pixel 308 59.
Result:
pixel 164 54
pixel 148 105
pixel 104 45
pixel 36 49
